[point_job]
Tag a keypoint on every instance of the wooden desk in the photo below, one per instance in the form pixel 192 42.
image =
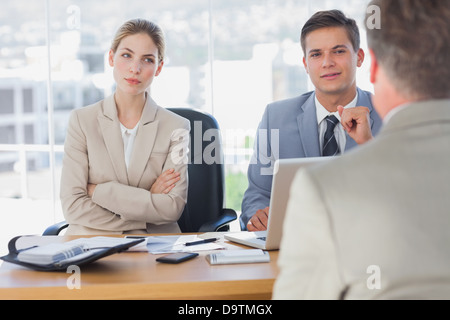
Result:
pixel 136 275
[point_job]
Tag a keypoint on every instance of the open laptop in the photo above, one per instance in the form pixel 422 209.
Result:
pixel 284 173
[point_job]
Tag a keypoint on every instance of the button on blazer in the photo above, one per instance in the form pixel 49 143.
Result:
pixel 122 202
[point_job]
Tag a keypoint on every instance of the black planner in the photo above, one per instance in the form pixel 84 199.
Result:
pixel 59 256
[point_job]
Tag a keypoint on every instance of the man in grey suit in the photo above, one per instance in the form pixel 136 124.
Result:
pixel 296 128
pixel 374 223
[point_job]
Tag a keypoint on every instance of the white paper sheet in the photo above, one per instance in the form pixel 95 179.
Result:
pixel 172 244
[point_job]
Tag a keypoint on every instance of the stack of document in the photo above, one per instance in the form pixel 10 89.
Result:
pixel 173 244
pixel 238 256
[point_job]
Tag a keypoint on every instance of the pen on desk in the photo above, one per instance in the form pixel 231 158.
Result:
pixel 201 242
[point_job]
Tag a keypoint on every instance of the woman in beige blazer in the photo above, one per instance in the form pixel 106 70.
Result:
pixel 125 158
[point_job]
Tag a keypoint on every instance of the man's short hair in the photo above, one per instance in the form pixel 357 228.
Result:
pixel 412 44
pixel 331 18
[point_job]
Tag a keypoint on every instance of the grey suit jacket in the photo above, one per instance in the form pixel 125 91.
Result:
pixel 122 203
pixel 296 121
pixel 374 223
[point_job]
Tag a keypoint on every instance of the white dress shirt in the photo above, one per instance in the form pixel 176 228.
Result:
pixel 339 131
pixel 128 136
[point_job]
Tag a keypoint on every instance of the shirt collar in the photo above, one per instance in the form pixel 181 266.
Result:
pixel 322 113
pixel 395 110
pixel 132 132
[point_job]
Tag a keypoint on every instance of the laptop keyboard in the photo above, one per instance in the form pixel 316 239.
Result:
pixel 262 238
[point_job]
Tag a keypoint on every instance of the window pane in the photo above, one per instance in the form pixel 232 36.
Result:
pixel 23 72
pixel 7 101
pixel 23 103
pixel 257 60
pixel 10 176
pixel 82 32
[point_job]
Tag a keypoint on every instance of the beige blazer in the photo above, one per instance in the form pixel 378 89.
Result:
pixel 374 223
pixel 122 202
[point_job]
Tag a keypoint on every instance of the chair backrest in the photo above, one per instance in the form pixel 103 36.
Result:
pixel 205 169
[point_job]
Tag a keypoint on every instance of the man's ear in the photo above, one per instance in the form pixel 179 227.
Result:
pixel 373 67
pixel 361 55
pixel 305 65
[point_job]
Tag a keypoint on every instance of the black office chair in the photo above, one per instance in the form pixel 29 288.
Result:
pixel 204 210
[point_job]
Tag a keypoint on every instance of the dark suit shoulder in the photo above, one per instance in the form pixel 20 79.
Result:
pixel 287 109
pixel 289 103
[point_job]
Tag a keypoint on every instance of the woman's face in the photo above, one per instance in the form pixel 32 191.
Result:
pixel 136 63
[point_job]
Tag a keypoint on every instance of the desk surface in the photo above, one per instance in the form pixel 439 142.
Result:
pixel 136 275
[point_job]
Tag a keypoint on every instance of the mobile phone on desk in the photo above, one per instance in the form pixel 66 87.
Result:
pixel 177 257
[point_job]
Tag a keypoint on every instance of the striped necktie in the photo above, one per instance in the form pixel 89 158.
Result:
pixel 330 146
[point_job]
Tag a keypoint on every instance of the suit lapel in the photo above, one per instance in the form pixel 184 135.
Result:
pixel 110 128
pixel 309 129
pixel 143 143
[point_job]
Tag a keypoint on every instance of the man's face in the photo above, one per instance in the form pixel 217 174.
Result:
pixel 331 61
